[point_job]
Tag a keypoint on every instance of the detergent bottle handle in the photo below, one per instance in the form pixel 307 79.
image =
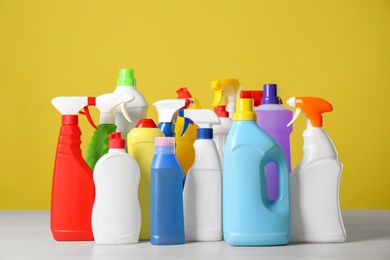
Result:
pixel 281 205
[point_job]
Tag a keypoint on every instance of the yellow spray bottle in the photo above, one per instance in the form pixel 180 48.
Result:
pixel 226 92
pixel 185 152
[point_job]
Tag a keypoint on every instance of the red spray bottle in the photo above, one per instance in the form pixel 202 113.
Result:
pixel 73 190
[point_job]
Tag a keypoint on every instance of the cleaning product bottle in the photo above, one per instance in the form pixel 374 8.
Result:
pixel 315 182
pixel 73 191
pixel 116 214
pixel 185 152
pixel 221 131
pixel 226 93
pixel 202 194
pixel 137 109
pixel 249 217
pixel 273 118
pixel 166 216
pixel 167 113
pixel 140 144
pixel 108 105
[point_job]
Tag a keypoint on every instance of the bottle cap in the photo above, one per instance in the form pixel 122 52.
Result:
pixel 204 133
pixel 270 94
pixel 244 110
pixel 164 141
pixel 126 78
pixel 221 111
pixel 256 95
pixel 115 140
pixel 146 123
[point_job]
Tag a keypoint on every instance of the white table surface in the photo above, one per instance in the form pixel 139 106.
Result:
pixel 26 235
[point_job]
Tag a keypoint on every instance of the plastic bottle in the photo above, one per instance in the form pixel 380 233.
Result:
pixel 250 218
pixel 108 105
pixel 273 118
pixel 202 195
pixel 221 131
pixel 185 152
pixel 226 93
pixel 315 182
pixel 140 143
pixel 73 190
pixel 116 214
pixel 167 113
pixel 137 109
pixel 166 218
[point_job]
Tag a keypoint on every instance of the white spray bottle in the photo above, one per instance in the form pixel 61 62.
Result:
pixel 137 109
pixel 315 182
pixel 167 113
pixel 226 93
pixel 202 194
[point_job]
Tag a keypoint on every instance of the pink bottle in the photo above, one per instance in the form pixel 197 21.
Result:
pixel 273 118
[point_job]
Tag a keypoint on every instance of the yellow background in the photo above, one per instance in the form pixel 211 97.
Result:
pixel 337 50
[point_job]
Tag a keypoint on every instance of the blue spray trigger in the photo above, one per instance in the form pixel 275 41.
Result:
pixel 187 122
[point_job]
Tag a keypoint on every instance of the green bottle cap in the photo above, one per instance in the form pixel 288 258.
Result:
pixel 126 78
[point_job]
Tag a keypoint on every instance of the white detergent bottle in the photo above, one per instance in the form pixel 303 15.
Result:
pixel 315 182
pixel 221 131
pixel 202 194
pixel 137 109
pixel 116 214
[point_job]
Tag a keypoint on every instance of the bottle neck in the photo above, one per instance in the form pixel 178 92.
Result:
pixel 70 119
pixel 204 133
pixel 167 128
pixel 164 150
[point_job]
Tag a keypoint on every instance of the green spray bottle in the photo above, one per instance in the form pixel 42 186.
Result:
pixel 108 105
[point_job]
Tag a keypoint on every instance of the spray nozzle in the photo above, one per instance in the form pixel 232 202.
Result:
pixel 167 108
pixel 109 104
pixel 204 118
pixel 225 91
pixel 313 107
pixel 73 106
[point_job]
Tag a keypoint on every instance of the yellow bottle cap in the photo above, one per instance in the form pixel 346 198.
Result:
pixel 244 110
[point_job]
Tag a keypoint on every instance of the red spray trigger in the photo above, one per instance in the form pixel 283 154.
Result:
pixel 91 102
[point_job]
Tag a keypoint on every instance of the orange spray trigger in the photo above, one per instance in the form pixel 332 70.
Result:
pixel 313 107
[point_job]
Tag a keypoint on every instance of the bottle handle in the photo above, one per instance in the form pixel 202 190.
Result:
pixel 282 203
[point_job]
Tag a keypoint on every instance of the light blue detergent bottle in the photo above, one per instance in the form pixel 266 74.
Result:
pixel 250 218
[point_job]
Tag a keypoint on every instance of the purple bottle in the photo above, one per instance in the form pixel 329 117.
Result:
pixel 273 118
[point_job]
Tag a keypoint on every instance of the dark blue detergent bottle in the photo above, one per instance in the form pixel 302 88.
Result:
pixel 166 213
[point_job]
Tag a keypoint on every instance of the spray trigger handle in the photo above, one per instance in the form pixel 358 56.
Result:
pixel 91 102
pixel 123 107
pixel 297 112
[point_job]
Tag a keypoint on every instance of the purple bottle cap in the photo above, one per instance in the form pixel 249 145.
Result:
pixel 270 94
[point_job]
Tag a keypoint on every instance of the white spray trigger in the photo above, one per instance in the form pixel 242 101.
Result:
pixel 297 112
pixel 123 107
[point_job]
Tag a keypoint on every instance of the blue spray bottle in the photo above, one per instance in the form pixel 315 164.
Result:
pixel 166 213
pixel 250 217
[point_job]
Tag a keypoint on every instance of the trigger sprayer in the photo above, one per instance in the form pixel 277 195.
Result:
pixel 226 93
pixel 73 190
pixel 167 113
pixel 108 105
pixel 313 107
